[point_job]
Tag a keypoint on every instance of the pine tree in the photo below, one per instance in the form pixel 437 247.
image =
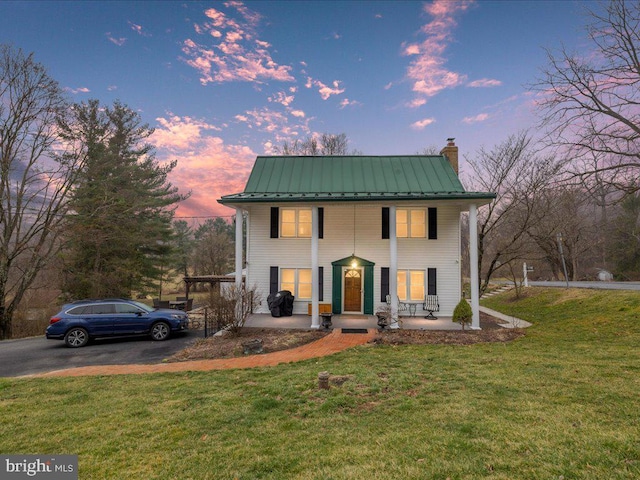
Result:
pixel 120 229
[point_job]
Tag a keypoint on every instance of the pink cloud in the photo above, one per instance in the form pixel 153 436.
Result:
pixel 280 125
pixel 427 70
pixel 218 18
pixel 77 90
pixel 235 52
pixel 325 91
pixel 412 49
pixel 207 166
pixel 179 133
pixel 281 98
pixel 138 29
pixel 264 119
pixel 421 124
pixel 116 41
pixel 478 118
pixel 416 102
pixel 484 82
pixel 348 103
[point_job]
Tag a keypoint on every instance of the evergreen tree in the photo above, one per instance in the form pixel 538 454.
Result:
pixel 120 230
pixel 183 244
pixel 214 248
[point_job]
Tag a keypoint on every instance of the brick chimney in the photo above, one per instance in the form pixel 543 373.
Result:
pixel 451 152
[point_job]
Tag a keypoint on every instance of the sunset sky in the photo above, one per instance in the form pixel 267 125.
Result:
pixel 223 82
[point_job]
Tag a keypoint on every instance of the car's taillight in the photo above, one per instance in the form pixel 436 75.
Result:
pixel 54 320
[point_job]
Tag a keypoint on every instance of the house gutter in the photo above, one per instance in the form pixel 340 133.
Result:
pixel 243 198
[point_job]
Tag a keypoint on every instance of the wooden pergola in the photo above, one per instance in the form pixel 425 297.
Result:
pixel 213 280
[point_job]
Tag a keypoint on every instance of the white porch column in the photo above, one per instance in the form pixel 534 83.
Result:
pixel 238 283
pixel 315 270
pixel 239 222
pixel 473 270
pixel 393 265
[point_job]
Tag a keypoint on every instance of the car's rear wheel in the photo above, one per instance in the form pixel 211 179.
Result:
pixel 160 331
pixel 76 337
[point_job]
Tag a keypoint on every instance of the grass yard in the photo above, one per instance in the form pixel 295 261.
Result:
pixel 561 402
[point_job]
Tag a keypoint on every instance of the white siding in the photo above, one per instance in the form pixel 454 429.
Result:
pixel 342 239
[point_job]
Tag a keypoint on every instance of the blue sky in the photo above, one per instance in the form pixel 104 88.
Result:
pixel 223 82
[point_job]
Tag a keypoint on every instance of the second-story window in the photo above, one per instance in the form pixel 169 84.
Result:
pixel 295 222
pixel 411 223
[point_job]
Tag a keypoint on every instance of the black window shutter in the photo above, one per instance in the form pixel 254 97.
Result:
pixel 431 282
pixel 384 283
pixel 385 222
pixel 433 223
pixel 320 284
pixel 273 280
pixel 275 217
pixel 320 223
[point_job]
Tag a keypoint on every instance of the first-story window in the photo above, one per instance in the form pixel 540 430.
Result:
pixel 411 285
pixel 295 222
pixel 288 279
pixel 297 281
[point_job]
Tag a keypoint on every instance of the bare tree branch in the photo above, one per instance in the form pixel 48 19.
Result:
pixel 36 176
pixel 323 145
pixel 517 174
pixel 591 104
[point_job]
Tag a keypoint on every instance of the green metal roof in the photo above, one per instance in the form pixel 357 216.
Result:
pixel 340 178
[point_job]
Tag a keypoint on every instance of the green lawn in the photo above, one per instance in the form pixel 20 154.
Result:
pixel 561 402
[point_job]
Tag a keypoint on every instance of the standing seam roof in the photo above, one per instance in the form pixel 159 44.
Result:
pixel 353 174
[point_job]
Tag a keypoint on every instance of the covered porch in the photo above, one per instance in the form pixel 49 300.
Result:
pixel 264 320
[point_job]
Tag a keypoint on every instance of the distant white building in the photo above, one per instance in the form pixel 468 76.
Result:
pixel 605 276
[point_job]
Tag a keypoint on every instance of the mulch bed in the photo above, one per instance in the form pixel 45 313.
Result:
pixel 230 345
pixel 274 339
pixel 491 331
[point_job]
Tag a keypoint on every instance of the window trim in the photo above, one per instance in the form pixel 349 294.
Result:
pixel 296 282
pixel 274 281
pixel 274 223
pixel 409 210
pixel 407 293
pixel 296 222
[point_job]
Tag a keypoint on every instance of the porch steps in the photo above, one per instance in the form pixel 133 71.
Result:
pixel 502 289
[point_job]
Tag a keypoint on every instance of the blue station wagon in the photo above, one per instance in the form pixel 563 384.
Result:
pixel 80 321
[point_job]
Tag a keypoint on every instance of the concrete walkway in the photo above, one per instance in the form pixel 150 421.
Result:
pixel 335 342
pixel 509 321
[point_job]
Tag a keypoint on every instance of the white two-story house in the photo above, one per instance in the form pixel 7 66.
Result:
pixel 350 233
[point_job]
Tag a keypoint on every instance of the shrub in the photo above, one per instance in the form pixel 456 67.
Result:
pixel 462 314
pixel 231 306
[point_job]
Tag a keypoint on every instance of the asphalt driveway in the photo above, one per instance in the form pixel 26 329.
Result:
pixel 38 355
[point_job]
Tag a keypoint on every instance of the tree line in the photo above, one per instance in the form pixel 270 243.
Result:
pixel 80 191
pixel 577 185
